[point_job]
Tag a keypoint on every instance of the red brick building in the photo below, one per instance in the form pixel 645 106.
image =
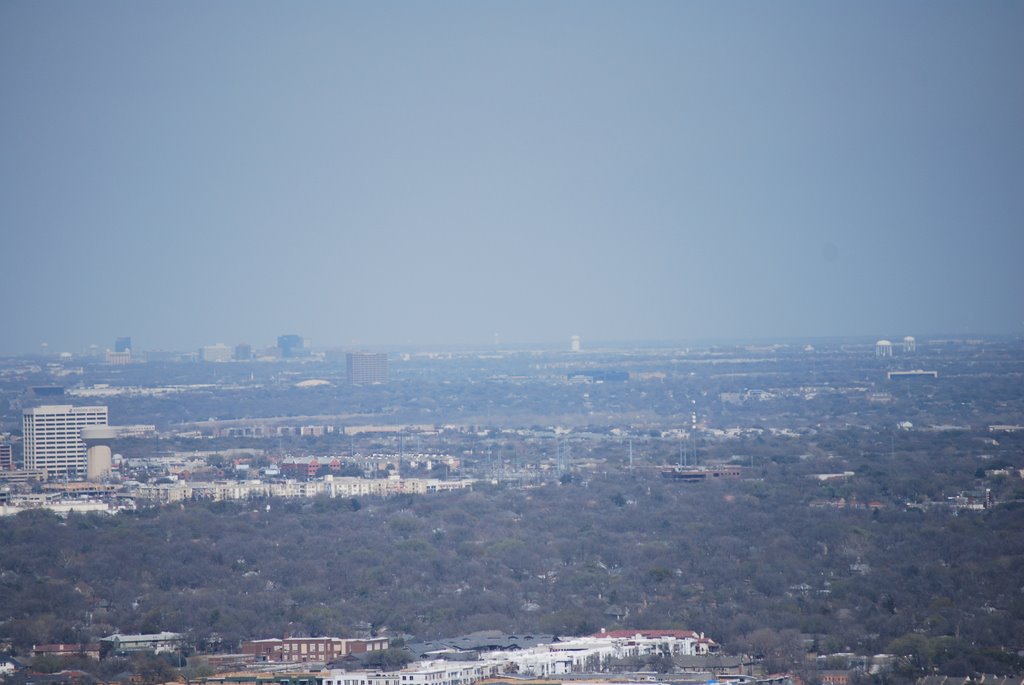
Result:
pixel 303 649
pixel 308 467
pixel 86 649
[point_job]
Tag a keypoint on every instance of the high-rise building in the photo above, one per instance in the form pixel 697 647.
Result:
pixel 243 352
pixel 215 353
pixel 6 457
pixel 53 437
pixel 122 344
pixel 119 358
pixel 367 368
pixel 292 345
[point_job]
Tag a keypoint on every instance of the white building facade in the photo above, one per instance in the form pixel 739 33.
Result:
pixel 574 655
pixel 52 438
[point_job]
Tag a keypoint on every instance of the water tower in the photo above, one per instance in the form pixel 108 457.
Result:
pixel 883 348
pixel 97 441
pixel 909 344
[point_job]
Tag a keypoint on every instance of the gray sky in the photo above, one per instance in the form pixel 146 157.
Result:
pixel 434 172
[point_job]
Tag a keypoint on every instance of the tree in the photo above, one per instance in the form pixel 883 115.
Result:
pixel 390 659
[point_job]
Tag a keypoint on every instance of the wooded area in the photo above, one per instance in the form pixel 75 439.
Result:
pixel 747 562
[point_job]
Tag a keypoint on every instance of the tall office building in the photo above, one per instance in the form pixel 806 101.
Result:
pixel 289 344
pixel 243 352
pixel 215 353
pixel 292 345
pixel 119 358
pixel 53 437
pixel 367 368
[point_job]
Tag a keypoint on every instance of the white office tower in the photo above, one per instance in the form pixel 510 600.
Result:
pixel 53 438
pixel 98 455
pixel 883 348
pixel 909 344
pixel 574 343
pixel 215 353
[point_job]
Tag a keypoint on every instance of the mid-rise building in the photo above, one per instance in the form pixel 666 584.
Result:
pixel 215 353
pixel 292 345
pixel 6 457
pixel 119 358
pixel 367 368
pixel 53 437
pixel 315 649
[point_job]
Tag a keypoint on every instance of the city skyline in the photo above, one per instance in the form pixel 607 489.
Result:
pixel 458 173
pixel 331 350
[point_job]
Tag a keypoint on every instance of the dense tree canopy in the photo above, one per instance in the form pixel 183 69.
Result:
pixel 751 565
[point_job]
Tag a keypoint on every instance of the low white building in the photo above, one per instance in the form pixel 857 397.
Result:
pixel 61 507
pixel 421 673
pixel 151 642
pixel 573 655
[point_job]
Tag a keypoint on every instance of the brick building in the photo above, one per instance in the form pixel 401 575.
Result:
pixel 303 649
pixel 90 650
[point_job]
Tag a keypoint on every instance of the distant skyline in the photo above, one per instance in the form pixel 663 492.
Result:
pixel 260 351
pixel 438 173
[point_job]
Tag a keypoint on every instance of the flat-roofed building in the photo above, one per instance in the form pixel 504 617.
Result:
pixel 53 437
pixel 915 373
pixel 366 368
pixel 23 475
pixel 148 642
pixel 699 474
pixel 311 649
pixel 119 358
pixel 90 650
pixel 215 353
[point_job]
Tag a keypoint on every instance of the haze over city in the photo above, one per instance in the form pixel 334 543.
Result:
pixel 511 343
pixel 426 173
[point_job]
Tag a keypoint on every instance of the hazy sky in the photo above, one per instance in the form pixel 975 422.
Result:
pixel 433 172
